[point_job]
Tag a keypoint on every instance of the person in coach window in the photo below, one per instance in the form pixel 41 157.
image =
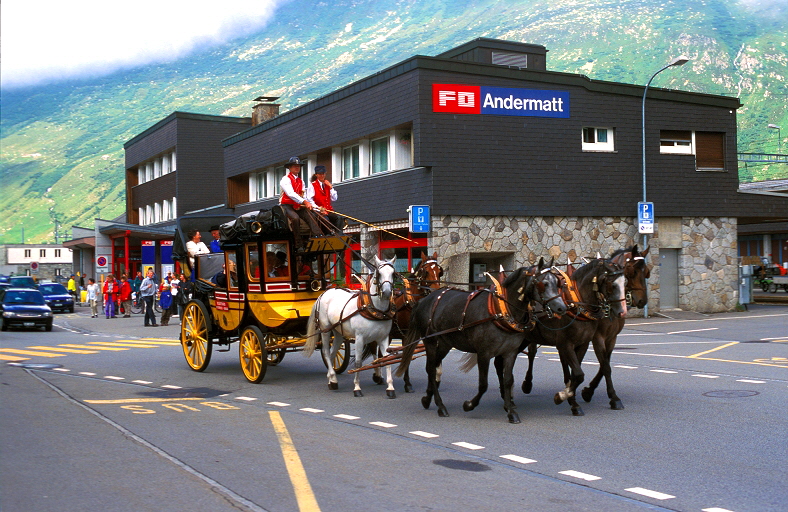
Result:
pixel 293 200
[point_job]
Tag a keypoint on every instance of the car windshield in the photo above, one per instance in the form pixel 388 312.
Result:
pixel 23 297
pixel 22 281
pixel 53 289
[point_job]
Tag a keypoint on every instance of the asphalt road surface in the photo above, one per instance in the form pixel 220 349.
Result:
pixel 106 415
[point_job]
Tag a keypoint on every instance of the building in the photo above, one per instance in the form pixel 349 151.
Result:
pixel 518 162
pixel 46 262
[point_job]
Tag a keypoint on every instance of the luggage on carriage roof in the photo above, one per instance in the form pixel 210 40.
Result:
pixel 262 222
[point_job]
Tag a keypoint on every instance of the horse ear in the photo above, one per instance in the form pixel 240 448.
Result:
pixel 424 256
pixel 435 255
pixel 378 262
pixel 645 253
pixel 635 250
pixel 391 261
pixel 541 262
pixel 552 262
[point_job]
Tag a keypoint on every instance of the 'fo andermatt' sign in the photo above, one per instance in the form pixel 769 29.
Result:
pixel 502 101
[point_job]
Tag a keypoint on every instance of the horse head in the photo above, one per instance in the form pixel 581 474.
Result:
pixel 543 287
pixel 428 272
pixel 382 285
pixel 636 271
pixel 608 288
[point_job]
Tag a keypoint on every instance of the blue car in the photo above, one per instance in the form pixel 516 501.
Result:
pixel 24 307
pixel 57 297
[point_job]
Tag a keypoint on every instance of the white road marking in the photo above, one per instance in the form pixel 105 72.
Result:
pixel 278 404
pixel 346 416
pixel 578 474
pixel 695 330
pixel 246 398
pixel 463 444
pixel 554 359
pixel 517 458
pixel 750 381
pixel 382 424
pixel 421 433
pixel 649 493
pixel 716 509
pixel 112 377
pixel 625 367
pixel 707 376
pixel 170 386
pixel 663 371
pixel 61 369
pixel 87 373
pixel 309 409
pixel 142 382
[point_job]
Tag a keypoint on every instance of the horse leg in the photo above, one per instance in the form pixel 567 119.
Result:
pixel 483 365
pixel 329 354
pixel 599 350
pixel 408 385
pixel 569 359
pixel 357 376
pixel 498 363
pixel 390 392
pixel 603 354
pixel 529 375
pixel 376 376
pixel 508 385
pixel 439 355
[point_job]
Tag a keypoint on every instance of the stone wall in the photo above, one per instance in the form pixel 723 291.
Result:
pixel 708 266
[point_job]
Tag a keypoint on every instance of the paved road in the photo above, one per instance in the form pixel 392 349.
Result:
pixel 127 426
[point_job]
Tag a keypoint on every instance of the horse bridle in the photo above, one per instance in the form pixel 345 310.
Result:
pixel 631 262
pixel 421 272
pixel 538 283
pixel 376 278
pixel 604 302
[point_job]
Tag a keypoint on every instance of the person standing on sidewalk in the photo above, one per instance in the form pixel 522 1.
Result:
pixel 125 296
pixel 94 292
pixel 110 296
pixel 148 294
pixel 165 301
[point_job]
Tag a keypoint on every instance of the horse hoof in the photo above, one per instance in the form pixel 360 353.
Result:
pixel 616 405
pixel 408 388
pixel 527 387
pixel 467 406
pixel 587 394
pixel 333 385
pixel 443 413
pixel 358 393
pixel 391 393
pixel 377 379
pixel 578 412
pixel 557 399
pixel 514 418
pixel 425 402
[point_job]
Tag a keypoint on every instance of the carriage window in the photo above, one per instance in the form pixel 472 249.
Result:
pixel 276 260
pixel 232 269
pixel 209 265
pixel 253 262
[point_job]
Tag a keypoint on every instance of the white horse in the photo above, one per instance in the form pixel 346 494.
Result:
pixel 363 315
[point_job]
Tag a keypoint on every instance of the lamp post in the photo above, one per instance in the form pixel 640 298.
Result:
pixel 779 137
pixel 678 61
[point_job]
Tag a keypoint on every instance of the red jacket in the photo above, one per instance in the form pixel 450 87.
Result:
pixel 111 291
pixel 125 291
pixel 298 188
pixel 322 194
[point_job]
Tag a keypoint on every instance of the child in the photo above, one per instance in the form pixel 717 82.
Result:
pixel 165 301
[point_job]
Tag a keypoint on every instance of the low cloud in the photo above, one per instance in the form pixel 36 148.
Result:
pixel 52 40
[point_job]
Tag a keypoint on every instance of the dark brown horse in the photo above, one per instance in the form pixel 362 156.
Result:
pixel 488 323
pixel 636 272
pixel 599 294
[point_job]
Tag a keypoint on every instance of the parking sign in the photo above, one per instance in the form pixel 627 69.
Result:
pixel 419 218
pixel 645 217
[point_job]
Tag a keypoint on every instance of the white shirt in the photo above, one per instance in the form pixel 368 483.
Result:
pixel 310 193
pixel 175 285
pixel 287 187
pixel 93 291
pixel 193 248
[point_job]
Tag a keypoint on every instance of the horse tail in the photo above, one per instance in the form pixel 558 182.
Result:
pixel 408 347
pixel 370 349
pixel 468 361
pixel 312 335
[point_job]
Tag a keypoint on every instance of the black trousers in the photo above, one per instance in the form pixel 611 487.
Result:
pixel 150 315
pixel 296 216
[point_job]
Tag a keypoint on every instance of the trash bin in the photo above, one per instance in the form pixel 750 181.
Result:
pixel 83 296
pixel 745 284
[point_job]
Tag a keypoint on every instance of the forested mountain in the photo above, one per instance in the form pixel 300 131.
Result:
pixel 62 144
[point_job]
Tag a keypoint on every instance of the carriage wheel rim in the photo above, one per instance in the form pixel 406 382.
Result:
pixel 194 340
pixel 251 354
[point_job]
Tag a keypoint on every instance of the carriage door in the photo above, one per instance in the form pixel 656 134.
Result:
pixel 229 305
pixel 668 278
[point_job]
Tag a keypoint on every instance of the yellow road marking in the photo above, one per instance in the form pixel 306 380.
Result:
pixel 694 356
pixel 162 339
pixel 303 491
pixel 742 362
pixel 149 342
pixel 31 352
pixel 12 358
pixel 115 344
pixel 90 347
pixel 140 400
pixel 69 350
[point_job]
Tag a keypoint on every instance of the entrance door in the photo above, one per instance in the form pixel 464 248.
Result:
pixel 668 278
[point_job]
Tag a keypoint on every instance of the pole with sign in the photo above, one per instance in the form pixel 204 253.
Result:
pixel 645 217
pixel 419 218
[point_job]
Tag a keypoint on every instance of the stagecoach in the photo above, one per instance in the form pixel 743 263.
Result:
pixel 259 291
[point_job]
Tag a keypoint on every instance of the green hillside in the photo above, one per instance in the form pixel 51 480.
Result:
pixel 62 145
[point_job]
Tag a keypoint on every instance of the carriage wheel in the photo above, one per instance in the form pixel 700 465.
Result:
pixel 254 360
pixel 274 356
pixel 195 336
pixel 342 358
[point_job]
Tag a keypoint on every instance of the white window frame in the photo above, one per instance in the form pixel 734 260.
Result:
pixel 349 174
pixel 28 253
pixel 57 253
pixel 386 146
pixel 141 174
pixel 679 147
pixel 595 145
pixel 42 253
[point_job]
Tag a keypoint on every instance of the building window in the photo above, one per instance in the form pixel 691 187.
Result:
pixel 598 139
pixel 351 162
pixel 678 142
pixel 258 186
pixel 279 173
pixel 380 154
pixel 58 272
pixel 27 253
pixel 42 253
pixel 57 253
pixel 710 151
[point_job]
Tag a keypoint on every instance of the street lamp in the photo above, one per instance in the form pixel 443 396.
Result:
pixel 779 137
pixel 678 61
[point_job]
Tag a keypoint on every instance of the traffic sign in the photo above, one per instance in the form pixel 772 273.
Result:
pixel 101 262
pixel 419 218
pixel 645 217
pixel 34 267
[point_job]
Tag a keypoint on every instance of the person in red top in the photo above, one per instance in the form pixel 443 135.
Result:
pixel 293 200
pixel 111 290
pixel 125 296
pixel 321 194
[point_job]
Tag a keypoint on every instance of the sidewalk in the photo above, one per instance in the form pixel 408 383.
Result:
pixel 133 327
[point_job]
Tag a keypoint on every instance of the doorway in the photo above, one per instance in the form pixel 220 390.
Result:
pixel 668 278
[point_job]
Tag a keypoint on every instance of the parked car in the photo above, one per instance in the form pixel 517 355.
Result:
pixel 57 297
pixel 22 282
pixel 24 307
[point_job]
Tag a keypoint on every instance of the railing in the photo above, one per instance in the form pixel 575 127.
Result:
pixel 774 158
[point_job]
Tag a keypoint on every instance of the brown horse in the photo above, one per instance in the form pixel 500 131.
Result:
pixel 636 272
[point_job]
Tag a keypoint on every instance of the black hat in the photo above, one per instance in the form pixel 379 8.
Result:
pixel 215 227
pixel 320 169
pixel 294 160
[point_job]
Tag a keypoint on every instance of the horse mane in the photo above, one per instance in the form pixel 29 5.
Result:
pixel 622 251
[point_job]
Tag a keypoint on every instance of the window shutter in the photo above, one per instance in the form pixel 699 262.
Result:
pixel 710 150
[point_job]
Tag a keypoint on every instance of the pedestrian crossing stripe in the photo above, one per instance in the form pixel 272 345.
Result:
pixel 12 358
pixel 149 342
pixel 69 350
pixel 91 347
pixel 30 352
pixel 114 344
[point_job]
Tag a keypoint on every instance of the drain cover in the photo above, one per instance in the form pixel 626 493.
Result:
pixel 730 393
pixel 462 465
pixel 37 366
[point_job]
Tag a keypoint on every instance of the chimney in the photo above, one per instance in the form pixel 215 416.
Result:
pixel 265 109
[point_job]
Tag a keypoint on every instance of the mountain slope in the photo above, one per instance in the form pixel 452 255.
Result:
pixel 62 144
